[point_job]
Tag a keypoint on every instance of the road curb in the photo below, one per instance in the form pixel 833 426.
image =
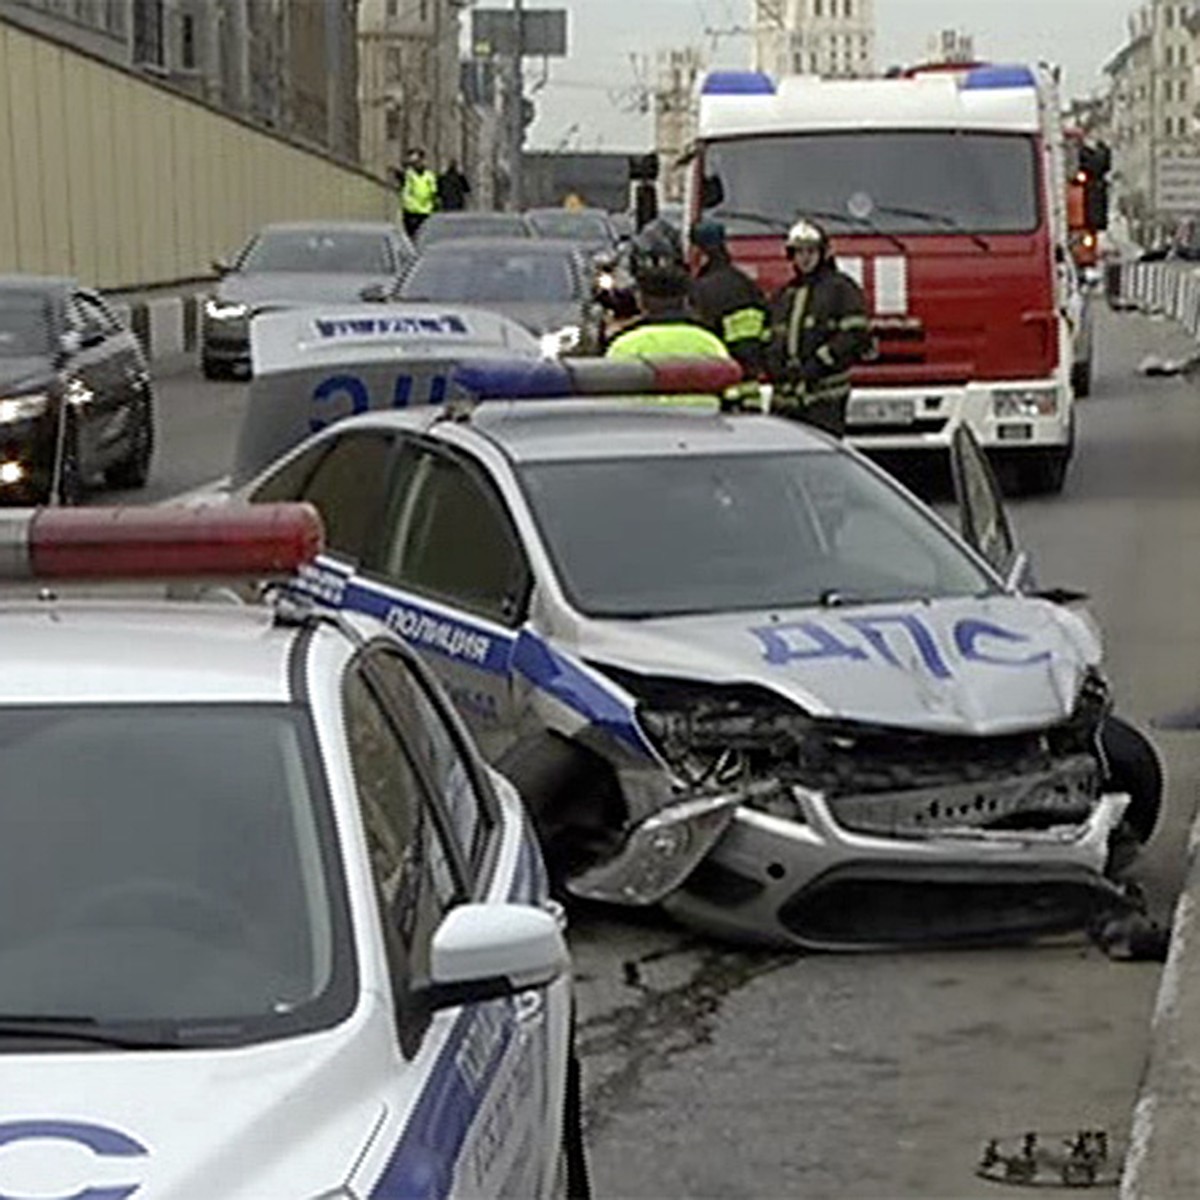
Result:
pixel 1163 1162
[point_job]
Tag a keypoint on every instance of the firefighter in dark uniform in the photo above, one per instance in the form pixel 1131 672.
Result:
pixel 819 330
pixel 728 301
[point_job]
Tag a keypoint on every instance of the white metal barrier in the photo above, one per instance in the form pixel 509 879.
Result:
pixel 1168 288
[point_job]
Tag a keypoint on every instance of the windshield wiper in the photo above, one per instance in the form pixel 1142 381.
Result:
pixel 755 218
pixel 818 214
pixel 936 218
pixel 78 1029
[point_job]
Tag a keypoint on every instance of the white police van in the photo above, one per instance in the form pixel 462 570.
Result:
pixel 271 927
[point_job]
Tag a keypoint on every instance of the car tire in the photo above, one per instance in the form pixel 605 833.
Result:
pixel 213 370
pixel 70 480
pixel 573 800
pixel 573 1181
pixel 1133 767
pixel 134 471
pixel 1081 379
pixel 1043 472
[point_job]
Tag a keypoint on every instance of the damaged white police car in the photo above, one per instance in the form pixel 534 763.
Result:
pixel 733 666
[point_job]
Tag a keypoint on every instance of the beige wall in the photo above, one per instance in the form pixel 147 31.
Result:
pixel 122 183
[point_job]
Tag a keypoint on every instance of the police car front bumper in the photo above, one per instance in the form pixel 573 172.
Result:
pixel 813 884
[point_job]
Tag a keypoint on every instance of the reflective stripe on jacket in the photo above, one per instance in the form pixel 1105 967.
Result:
pixel 727 301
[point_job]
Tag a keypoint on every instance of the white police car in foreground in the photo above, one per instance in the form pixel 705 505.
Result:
pixel 734 666
pixel 270 928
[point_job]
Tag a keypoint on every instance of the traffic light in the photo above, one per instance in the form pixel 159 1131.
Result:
pixel 643 168
pixel 1095 162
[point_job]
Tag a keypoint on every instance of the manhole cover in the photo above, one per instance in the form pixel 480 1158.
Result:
pixel 1084 1159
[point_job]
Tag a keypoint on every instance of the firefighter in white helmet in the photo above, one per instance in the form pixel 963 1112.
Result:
pixel 819 330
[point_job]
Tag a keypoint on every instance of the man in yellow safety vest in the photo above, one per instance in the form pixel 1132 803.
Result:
pixel 418 193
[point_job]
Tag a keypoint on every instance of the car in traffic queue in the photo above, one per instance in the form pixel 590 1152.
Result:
pixel 272 927
pixel 590 228
pixel 549 287
pixel 292 264
pixel 475 223
pixel 733 666
pixel 76 398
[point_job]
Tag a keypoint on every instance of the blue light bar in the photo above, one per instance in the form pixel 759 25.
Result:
pixel 508 378
pixel 995 78
pixel 739 83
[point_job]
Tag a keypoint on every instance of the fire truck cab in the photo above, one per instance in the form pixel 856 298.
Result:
pixel 944 192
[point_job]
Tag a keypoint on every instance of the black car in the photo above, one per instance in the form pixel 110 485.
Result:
pixel 546 286
pixel 478 223
pixel 290 265
pixel 76 403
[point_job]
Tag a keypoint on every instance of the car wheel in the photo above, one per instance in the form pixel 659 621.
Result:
pixel 1133 767
pixel 573 800
pixel 211 369
pixel 70 477
pixel 1043 472
pixel 134 470
pixel 1081 379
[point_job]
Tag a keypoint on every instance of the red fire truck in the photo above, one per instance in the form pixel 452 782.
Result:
pixel 944 192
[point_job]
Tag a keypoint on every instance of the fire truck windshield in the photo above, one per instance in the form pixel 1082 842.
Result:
pixel 901 182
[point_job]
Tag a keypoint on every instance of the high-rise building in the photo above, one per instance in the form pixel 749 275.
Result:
pixel 951 46
pixel 831 38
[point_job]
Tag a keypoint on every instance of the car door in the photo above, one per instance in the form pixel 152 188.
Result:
pixel 115 407
pixel 94 378
pixel 463 1075
pixel 454 581
pixel 983 519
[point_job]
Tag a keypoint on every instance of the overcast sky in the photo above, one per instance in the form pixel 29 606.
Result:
pixel 582 104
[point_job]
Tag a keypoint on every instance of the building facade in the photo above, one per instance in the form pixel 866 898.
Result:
pixel 409 82
pixel 831 38
pixel 287 65
pixel 1152 105
pixel 950 46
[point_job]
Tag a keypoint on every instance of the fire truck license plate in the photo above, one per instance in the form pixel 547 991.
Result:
pixel 882 412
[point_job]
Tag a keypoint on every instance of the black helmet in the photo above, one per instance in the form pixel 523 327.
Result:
pixel 656 249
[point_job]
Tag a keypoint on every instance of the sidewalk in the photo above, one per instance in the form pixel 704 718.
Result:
pixel 1163 1162
pixel 166 320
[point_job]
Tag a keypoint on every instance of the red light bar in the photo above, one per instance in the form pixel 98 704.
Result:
pixel 250 541
pixel 705 376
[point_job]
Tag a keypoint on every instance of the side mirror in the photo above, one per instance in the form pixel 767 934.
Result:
pixel 220 266
pixel 605 260
pixel 374 293
pixel 712 191
pixel 484 952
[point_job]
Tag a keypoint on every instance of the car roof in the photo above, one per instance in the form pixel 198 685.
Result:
pixel 579 430
pixel 380 227
pixel 474 214
pixel 124 651
pixel 522 245
pixel 37 283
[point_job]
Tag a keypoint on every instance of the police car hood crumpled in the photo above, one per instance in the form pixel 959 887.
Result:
pixel 286 1118
pixel 979 666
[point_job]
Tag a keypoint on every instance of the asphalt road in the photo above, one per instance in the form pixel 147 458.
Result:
pixel 710 1071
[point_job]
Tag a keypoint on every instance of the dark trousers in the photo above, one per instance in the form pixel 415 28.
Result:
pixel 827 412
pixel 413 223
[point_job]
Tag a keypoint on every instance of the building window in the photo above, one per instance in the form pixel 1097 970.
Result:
pixel 848 8
pixel 392 65
pixel 1182 89
pixel 392 7
pixel 817 8
pixel 187 41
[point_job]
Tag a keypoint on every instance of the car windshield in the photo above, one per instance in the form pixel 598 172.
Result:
pixel 169 866
pixel 658 537
pixel 590 228
pixel 321 252
pixel 24 324
pixel 440 229
pixel 894 182
pixel 486 274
